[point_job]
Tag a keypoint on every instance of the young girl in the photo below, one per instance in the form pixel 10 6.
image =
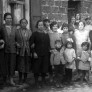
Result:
pixel 70 56
pixel 84 63
pixel 58 62
pixel 66 34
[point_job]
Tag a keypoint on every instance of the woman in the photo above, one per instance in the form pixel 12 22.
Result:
pixel 72 24
pixel 41 42
pixel 23 50
pixel 10 47
pixel 81 35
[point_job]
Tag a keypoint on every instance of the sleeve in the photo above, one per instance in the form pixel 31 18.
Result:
pixel 63 57
pixel 32 42
pixel 74 54
pixel 52 59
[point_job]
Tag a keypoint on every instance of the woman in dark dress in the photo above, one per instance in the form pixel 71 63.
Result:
pixel 10 48
pixel 22 40
pixel 41 51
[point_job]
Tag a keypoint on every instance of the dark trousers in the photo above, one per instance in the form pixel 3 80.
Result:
pixel 59 72
pixel 84 74
pixel 10 59
pixel 3 66
pixel 68 75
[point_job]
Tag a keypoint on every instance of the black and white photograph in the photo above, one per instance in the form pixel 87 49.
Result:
pixel 45 45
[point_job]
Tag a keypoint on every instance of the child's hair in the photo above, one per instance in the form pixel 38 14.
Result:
pixel 71 30
pixel 58 41
pixel 46 20
pixel 22 20
pixel 64 25
pixel 85 44
pixel 52 24
pixel 69 42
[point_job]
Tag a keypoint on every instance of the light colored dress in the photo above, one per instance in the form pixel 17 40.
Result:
pixel 80 37
pixel 84 64
pixel 69 57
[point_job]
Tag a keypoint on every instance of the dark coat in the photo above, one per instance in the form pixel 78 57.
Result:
pixel 23 41
pixel 42 43
pixel 10 46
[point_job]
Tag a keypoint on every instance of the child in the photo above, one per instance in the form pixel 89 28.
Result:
pixel 58 62
pixel 54 35
pixel 84 63
pixel 66 34
pixel 70 56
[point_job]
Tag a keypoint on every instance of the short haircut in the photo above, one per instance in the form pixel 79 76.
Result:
pixel 46 20
pixel 69 42
pixel 85 44
pixel 38 23
pixel 58 41
pixel 52 24
pixel 6 14
pixel 23 19
pixel 64 25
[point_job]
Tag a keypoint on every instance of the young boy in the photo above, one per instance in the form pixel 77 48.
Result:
pixel 58 62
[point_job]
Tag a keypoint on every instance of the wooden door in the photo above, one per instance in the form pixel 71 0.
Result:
pixel 35 13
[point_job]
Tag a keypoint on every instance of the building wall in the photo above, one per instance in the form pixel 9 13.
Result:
pixel 58 9
pixel 86 8
pixel 17 11
pixel 55 10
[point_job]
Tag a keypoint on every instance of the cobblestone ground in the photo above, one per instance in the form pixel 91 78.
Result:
pixel 76 87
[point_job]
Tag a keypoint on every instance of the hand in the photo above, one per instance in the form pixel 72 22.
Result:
pixel 35 55
pixel 52 66
pixel 18 45
pixel 1 41
pixel 2 46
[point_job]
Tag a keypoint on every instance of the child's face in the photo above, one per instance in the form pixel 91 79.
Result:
pixel 69 45
pixel 47 24
pixel 84 47
pixel 77 16
pixel 65 29
pixel 73 20
pixel 55 28
pixel 58 45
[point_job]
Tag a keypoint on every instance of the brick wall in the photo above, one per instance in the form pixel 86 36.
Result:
pixel 55 10
pixel 86 8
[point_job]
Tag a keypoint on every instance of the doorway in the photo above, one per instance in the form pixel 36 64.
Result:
pixel 74 7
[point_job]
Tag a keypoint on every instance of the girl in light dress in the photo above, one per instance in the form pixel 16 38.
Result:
pixel 70 56
pixel 84 63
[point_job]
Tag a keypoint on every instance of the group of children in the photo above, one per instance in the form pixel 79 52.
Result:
pixel 65 59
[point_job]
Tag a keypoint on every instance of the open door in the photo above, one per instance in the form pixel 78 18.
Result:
pixel 73 8
pixel 35 13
